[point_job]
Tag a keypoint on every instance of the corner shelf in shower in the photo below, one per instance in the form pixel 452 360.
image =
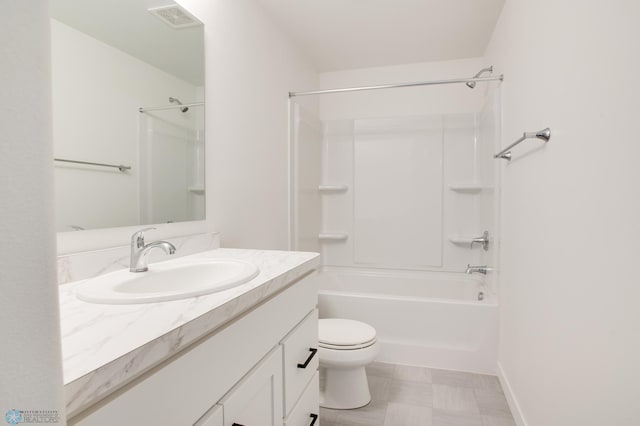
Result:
pixel 466 187
pixel 333 188
pixel 196 189
pixel 332 236
pixel 469 188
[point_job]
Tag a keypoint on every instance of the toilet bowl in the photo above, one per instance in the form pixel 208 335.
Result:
pixel 345 347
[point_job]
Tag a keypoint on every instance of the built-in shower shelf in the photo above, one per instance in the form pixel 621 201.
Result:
pixel 466 187
pixel 196 189
pixel 333 188
pixel 332 236
pixel 460 239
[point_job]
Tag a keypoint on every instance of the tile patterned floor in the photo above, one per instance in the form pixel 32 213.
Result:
pixel 416 396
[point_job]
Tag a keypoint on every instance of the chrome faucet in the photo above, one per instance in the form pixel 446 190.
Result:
pixel 139 251
pixel 484 240
pixel 479 269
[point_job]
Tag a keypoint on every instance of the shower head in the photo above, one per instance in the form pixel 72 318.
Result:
pixel 177 101
pixel 472 84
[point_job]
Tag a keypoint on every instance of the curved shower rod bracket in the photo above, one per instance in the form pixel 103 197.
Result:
pixel 544 135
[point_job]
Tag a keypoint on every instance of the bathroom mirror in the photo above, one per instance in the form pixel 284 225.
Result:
pixel 128 113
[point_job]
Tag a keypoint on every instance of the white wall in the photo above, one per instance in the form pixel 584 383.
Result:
pixel 95 86
pixel 570 323
pixel 31 365
pixel 251 67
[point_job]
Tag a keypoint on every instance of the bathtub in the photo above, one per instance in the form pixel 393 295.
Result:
pixel 438 320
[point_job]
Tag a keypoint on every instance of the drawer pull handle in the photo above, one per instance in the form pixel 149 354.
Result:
pixel 314 417
pixel 313 353
pixel 237 424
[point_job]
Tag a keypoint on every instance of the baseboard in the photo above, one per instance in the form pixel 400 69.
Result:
pixel 516 412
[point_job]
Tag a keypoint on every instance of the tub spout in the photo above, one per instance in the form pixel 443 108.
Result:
pixel 478 269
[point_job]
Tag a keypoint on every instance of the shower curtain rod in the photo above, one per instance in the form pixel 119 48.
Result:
pixel 393 86
pixel 145 109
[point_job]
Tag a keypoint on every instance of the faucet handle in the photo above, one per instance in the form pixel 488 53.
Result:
pixel 484 240
pixel 137 238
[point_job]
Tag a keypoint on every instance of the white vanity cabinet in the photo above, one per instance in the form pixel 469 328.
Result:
pixel 248 372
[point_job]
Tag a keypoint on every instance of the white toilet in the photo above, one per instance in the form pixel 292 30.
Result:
pixel 345 347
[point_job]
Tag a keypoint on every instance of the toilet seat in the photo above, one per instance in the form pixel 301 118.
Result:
pixel 344 334
pixel 346 347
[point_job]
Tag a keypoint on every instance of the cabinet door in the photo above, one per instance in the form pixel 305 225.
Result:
pixel 306 410
pixel 257 399
pixel 300 359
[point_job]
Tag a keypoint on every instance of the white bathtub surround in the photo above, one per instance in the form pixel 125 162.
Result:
pixel 396 209
pixel 80 266
pixel 105 346
pixel 30 367
pixel 389 233
pixel 421 318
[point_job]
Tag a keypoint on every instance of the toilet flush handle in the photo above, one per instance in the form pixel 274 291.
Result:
pixel 313 353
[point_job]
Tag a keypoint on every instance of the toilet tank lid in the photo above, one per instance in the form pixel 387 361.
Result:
pixel 344 332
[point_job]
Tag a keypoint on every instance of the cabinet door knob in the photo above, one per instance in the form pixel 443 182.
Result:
pixel 313 353
pixel 314 417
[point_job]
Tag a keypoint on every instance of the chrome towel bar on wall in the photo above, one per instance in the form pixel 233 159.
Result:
pixel 120 167
pixel 544 135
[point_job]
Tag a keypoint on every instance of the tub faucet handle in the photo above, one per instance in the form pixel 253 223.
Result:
pixel 484 240
pixel 477 269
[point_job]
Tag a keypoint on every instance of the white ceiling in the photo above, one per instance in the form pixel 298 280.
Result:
pixel 127 26
pixel 347 34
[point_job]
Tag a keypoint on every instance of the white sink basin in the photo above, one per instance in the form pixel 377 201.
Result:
pixel 165 281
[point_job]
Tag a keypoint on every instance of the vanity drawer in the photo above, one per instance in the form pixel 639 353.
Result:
pixel 307 410
pixel 300 358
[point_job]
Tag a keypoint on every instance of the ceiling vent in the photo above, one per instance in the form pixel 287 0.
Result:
pixel 175 16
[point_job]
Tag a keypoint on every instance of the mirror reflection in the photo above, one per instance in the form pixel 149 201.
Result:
pixel 128 113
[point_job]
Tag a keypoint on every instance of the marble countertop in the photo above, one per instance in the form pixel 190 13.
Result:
pixel 106 346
